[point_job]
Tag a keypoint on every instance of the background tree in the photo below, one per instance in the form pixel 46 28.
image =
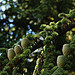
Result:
pixel 18 17
pixel 26 16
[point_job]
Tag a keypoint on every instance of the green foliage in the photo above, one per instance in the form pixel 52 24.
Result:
pixel 59 24
pixel 72 44
pixel 61 15
pixel 15 71
pixel 52 23
pixel 53 69
pixel 32 13
pixel 42 26
pixel 4 73
pixel 26 52
pixel 37 17
pixel 51 65
pixel 66 72
pixel 30 37
pixel 71 11
pixel 54 34
pixel 64 20
pixel 6 68
pixel 45 72
pixel 58 71
pixel 3 50
pixel 36 36
pixel 48 28
pixel 48 38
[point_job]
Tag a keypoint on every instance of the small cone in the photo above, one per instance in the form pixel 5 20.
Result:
pixel 24 43
pixel 66 49
pixel 11 53
pixel 17 49
pixel 60 61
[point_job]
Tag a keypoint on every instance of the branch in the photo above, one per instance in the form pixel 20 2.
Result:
pixel 37 45
pixel 64 30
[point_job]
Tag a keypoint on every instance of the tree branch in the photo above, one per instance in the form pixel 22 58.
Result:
pixel 64 30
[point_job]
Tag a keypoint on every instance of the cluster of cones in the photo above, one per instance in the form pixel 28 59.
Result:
pixel 61 58
pixel 17 49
